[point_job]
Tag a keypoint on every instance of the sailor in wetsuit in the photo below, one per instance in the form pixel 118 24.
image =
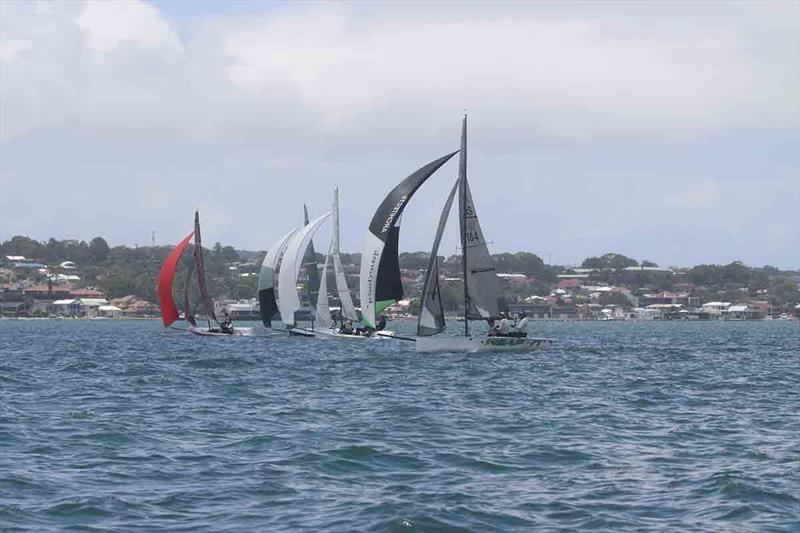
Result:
pixel 381 323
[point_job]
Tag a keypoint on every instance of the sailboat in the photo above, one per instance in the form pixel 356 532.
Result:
pixel 294 254
pixel 380 284
pixel 482 297
pixel 325 327
pixel 166 278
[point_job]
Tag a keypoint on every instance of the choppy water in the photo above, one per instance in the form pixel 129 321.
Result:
pixel 108 425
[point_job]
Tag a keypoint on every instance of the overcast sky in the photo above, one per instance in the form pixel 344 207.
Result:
pixel 663 131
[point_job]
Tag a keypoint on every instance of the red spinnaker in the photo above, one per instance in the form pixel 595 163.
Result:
pixel 169 313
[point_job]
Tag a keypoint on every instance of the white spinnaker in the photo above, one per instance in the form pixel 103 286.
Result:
pixel 289 301
pixel 323 306
pixel 342 290
pixel 274 253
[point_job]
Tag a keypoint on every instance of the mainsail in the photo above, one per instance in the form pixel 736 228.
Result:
pixel 208 305
pixel 431 314
pixel 288 298
pixel 310 264
pixel 348 310
pixel 267 303
pixel 188 308
pixel 169 313
pixel 380 284
pixel 323 306
pixel 481 287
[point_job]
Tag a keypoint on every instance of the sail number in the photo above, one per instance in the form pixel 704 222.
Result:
pixel 473 235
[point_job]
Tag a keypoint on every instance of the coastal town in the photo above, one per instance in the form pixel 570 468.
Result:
pixel 75 279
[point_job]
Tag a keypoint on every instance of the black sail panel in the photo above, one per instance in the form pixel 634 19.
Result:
pixel 389 285
pixel 267 305
pixel 392 206
pixel 208 305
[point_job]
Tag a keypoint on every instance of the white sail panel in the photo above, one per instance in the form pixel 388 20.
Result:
pixel 323 306
pixel 370 260
pixel 266 278
pixel 343 291
pixel 288 297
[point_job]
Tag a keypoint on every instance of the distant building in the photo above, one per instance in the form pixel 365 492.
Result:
pixel 742 312
pixel 535 309
pixel 667 297
pixel 91 306
pixel 87 293
pixel 13 309
pixel 67 307
pixel 109 311
pixel 47 291
pixel 716 309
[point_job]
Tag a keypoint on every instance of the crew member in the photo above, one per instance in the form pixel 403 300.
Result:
pixel 522 324
pixel 226 326
pixel 505 324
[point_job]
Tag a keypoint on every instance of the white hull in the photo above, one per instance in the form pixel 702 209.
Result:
pixel 237 332
pixel 301 332
pixel 334 334
pixel 482 344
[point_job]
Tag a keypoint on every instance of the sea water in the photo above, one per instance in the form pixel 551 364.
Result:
pixel 624 426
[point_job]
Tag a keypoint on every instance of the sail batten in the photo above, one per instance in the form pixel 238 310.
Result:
pixel 169 313
pixel 431 318
pixel 380 278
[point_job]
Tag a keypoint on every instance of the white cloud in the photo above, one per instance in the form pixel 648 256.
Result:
pixel 163 109
pixel 109 25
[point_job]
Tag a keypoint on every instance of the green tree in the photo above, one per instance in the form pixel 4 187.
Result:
pixel 609 260
pixel 99 249
pixel 24 246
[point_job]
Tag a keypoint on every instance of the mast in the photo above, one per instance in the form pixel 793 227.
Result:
pixel 462 179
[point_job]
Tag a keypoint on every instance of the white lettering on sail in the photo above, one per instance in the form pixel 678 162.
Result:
pixel 395 210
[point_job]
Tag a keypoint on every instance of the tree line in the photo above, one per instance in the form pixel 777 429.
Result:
pixel 122 270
